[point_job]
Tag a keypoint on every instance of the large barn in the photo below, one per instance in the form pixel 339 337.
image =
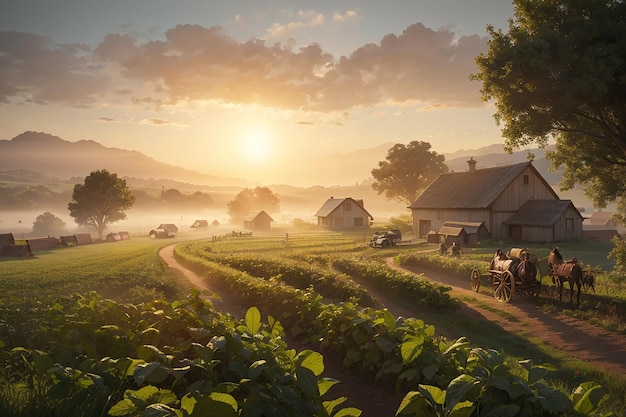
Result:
pixel 512 202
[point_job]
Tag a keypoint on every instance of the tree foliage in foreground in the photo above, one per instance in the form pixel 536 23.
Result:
pixel 100 200
pixel 407 171
pixel 559 73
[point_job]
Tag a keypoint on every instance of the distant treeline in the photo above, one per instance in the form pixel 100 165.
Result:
pixel 33 197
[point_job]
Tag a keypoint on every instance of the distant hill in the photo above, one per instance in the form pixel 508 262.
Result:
pixel 53 156
pixel 50 156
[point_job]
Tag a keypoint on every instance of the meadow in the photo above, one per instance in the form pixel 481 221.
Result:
pixel 306 286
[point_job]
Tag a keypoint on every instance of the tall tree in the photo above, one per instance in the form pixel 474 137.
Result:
pixel 100 201
pixel 248 199
pixel 48 224
pixel 407 171
pixel 559 74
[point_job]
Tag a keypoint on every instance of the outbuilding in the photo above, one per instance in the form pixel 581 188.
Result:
pixel 257 220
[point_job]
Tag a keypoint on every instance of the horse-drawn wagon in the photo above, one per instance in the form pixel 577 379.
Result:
pixel 512 273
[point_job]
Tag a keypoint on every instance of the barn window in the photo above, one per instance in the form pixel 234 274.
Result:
pixel 358 221
pixel 347 206
pixel 525 180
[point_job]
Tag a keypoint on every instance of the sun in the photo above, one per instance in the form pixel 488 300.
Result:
pixel 256 146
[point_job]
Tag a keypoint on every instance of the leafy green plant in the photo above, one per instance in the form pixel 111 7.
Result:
pixel 489 386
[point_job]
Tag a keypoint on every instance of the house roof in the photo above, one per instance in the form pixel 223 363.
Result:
pixel 471 189
pixel 601 217
pixel 252 216
pixel 540 212
pixel 333 203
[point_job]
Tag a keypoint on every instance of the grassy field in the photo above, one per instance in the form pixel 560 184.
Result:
pixel 122 270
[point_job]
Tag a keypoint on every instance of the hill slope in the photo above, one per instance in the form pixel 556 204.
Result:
pixel 53 156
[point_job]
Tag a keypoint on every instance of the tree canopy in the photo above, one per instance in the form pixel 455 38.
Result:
pixel 248 199
pixel 407 171
pixel 559 74
pixel 48 224
pixel 100 201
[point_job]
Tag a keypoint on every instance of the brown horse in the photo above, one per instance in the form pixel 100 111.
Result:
pixel 561 271
pixel 588 281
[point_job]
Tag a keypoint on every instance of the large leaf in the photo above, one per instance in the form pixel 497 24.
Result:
pixel 414 404
pixel 458 389
pixel 537 373
pixel 552 400
pixel 311 360
pixel 253 320
pixel 329 406
pixel 587 396
pixel 324 384
pixel 209 407
pixel 150 372
pixel 434 395
pixel 123 408
pixel 411 348
pixel 348 412
pixel 307 381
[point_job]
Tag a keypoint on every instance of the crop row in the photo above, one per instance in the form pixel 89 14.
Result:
pixel 297 274
pixel 403 351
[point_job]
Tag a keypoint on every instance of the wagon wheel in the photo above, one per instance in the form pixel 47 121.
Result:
pixel 503 286
pixel 475 280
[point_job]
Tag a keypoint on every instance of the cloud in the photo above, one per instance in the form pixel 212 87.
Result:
pixel 419 66
pixel 34 69
pixel 339 17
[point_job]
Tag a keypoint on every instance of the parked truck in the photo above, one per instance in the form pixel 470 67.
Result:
pixel 386 239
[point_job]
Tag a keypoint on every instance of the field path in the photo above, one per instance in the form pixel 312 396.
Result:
pixel 605 349
pixel 221 302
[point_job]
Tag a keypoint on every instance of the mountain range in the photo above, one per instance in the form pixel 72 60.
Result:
pixel 52 156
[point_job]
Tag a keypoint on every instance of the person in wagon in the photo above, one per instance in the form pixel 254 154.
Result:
pixel 456 248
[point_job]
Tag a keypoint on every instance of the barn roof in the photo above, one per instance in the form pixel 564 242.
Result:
pixel 475 189
pixel 470 227
pixel 540 212
pixel 333 203
pixel 253 216
pixel 450 231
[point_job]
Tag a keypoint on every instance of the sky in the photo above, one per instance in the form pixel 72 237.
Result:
pixel 261 90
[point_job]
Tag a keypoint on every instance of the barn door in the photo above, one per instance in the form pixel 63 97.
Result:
pixel 569 229
pixel 515 231
pixel 424 227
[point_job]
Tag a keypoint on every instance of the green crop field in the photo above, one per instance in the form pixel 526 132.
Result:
pixel 108 328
